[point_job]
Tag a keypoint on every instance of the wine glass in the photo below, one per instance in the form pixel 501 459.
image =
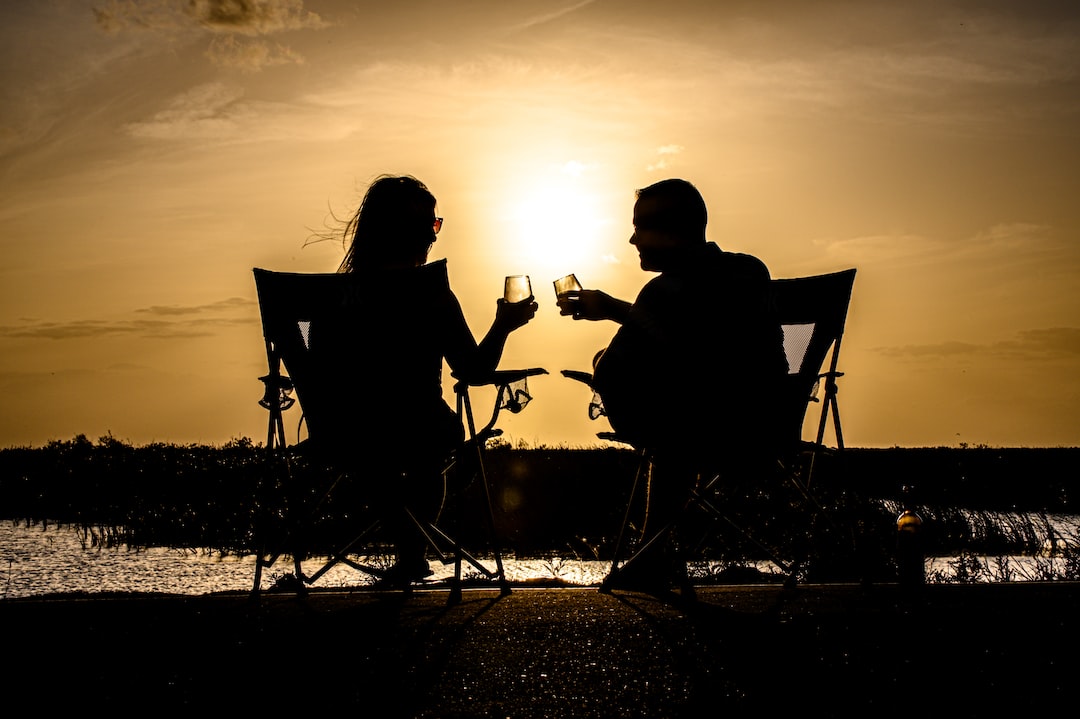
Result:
pixel 564 286
pixel 569 283
pixel 517 288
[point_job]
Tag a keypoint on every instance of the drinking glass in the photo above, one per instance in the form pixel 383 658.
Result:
pixel 563 286
pixel 517 288
pixel 566 284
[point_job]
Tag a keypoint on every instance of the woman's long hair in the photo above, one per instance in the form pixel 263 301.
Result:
pixel 392 226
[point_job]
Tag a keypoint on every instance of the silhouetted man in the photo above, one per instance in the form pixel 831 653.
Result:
pixel 695 366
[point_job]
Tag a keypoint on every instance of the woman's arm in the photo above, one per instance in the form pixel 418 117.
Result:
pixel 509 316
pixel 468 359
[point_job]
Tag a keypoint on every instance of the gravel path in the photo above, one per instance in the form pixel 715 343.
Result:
pixel 829 650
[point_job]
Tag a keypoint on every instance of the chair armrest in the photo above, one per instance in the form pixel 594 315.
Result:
pixel 513 395
pixel 578 375
pixel 506 376
pixel 500 377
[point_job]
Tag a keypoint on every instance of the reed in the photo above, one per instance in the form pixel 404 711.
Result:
pixel 976 502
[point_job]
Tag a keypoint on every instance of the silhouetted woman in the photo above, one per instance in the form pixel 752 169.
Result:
pixel 402 426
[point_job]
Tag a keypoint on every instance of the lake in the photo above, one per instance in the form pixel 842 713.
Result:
pixel 36 561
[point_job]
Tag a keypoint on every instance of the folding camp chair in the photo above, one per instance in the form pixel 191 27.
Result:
pixel 300 513
pixel 813 313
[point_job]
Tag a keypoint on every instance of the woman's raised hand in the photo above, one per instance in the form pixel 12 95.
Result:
pixel 509 316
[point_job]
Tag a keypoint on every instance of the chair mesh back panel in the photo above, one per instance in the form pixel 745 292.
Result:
pixel 289 304
pixel 303 315
pixel 813 312
pixel 796 342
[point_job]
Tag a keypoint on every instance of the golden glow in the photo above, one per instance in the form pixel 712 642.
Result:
pixel 533 126
pixel 559 222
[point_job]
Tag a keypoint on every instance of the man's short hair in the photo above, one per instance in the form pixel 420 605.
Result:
pixel 677 207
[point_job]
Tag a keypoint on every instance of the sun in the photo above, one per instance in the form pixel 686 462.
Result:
pixel 561 220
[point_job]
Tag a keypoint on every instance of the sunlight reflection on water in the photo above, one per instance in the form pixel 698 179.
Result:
pixel 36 561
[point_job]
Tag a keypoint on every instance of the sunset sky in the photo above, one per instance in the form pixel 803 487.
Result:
pixel 152 152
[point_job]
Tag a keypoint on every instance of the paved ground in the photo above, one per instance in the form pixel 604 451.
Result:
pixel 834 650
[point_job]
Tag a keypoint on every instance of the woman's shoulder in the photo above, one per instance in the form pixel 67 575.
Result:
pixel 429 275
pixel 435 267
pixel 435 273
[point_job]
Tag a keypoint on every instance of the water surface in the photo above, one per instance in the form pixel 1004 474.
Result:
pixel 37 560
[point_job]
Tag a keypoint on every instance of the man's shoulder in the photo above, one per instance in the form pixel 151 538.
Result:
pixel 742 263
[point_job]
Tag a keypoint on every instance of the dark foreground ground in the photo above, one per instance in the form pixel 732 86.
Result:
pixel 822 650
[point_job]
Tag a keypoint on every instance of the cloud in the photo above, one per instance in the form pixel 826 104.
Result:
pixel 1051 341
pixel 1048 343
pixel 884 248
pixel 253 17
pixel 118 15
pixel 150 329
pixel 205 112
pixel 549 16
pixel 1020 242
pixel 573 168
pixel 237 26
pixel 190 326
pixel 249 55
pixel 219 111
pixel 229 304
pixel 937 351
pixel 665 152
pixel 248 17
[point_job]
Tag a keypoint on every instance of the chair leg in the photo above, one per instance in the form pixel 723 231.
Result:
pixel 682 578
pixel 642 469
pixel 476 440
pixel 672 573
pixel 437 539
pixel 455 585
pixel 500 572
pixel 640 570
pixel 267 550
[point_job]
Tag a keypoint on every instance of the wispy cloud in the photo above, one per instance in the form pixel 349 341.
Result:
pixel 117 16
pixel 232 303
pixel 253 17
pixel 247 17
pixel 150 329
pixel 1036 344
pixel 573 168
pixel 1049 342
pixel 238 26
pixel 1020 242
pixel 195 323
pixel 665 153
pixel 208 111
pixel 549 16
pixel 220 111
pixel 250 56
pixel 241 24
